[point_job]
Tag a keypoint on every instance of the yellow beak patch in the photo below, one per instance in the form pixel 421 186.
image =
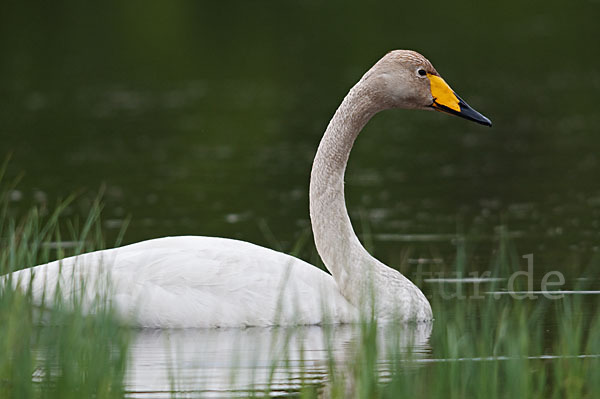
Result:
pixel 442 93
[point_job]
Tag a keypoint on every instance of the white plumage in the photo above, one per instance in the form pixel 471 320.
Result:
pixel 182 282
pixel 217 282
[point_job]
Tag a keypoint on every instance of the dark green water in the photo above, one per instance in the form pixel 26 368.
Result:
pixel 203 117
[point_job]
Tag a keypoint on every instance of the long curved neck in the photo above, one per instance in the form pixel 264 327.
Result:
pixel 337 244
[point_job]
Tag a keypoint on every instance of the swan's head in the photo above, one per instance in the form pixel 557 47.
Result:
pixel 406 79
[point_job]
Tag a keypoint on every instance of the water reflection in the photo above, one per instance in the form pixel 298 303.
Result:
pixel 217 362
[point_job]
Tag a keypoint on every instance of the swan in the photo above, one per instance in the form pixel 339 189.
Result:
pixel 195 281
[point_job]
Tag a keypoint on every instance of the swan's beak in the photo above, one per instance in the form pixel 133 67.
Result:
pixel 446 100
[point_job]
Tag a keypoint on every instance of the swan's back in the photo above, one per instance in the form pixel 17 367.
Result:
pixel 196 282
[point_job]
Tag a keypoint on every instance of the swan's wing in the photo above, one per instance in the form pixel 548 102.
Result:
pixel 197 282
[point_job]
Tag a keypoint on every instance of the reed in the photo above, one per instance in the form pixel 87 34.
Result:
pixel 54 351
pixel 493 347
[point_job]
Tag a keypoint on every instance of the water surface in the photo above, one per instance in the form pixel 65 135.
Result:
pixel 202 118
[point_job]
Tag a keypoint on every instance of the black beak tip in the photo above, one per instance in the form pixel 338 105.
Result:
pixel 485 121
pixel 465 112
pixel 469 113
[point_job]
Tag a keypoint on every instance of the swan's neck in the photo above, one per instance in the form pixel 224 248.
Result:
pixel 336 242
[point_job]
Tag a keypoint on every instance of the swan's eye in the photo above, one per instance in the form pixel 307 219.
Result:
pixel 422 72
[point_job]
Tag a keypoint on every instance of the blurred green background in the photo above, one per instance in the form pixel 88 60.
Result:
pixel 203 117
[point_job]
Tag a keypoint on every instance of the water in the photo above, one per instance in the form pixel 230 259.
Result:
pixel 215 362
pixel 203 118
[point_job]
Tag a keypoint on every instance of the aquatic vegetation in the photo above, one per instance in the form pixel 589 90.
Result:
pixel 54 351
pixel 486 345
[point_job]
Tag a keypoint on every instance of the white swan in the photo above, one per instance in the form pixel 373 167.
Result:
pixel 178 282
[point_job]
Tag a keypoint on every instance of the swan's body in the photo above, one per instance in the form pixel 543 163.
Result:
pixel 192 281
pixel 210 282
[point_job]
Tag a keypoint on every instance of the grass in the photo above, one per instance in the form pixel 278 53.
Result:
pixel 490 347
pixel 73 355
